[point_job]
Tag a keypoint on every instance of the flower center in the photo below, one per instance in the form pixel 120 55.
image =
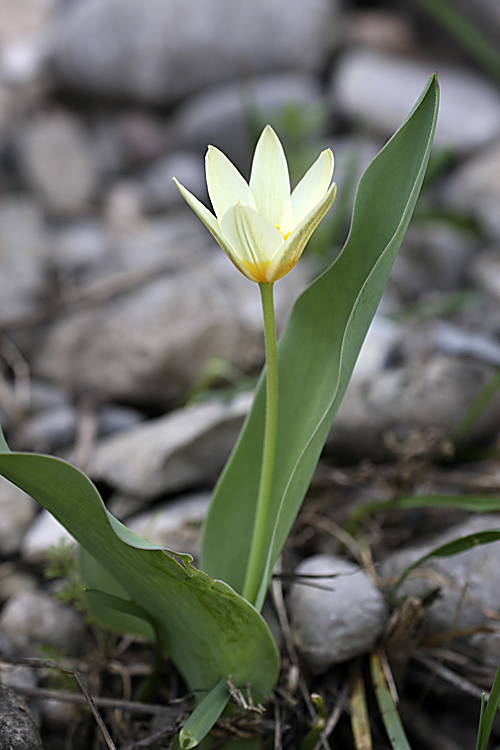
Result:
pixel 285 236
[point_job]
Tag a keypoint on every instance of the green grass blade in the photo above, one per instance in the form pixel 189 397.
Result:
pixel 462 544
pixel 317 354
pixel 470 503
pixel 204 716
pixel 488 714
pixel 387 706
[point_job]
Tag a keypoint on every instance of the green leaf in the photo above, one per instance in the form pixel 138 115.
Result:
pixel 204 716
pixel 488 714
pixel 209 631
pixel 471 503
pixel 317 354
pixel 387 706
pixel 462 544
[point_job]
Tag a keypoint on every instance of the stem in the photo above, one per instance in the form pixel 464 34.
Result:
pixel 257 548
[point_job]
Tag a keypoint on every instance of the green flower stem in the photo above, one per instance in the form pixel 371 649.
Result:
pixel 257 548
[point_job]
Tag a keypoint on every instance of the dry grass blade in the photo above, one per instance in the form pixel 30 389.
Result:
pixel 360 721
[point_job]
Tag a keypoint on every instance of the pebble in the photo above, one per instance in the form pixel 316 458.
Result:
pixel 44 533
pixel 23 254
pixel 58 163
pixel 381 89
pixel 31 619
pixel 158 191
pixel 334 619
pixel 156 340
pixel 474 188
pixel 219 115
pixel 161 50
pixel 467 582
pixel 175 525
pixel 17 727
pixel 17 511
pixel 418 396
pixel 184 449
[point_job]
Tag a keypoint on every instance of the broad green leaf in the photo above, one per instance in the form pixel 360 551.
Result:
pixel 471 503
pixel 210 632
pixel 317 354
pixel 462 544
pixel 387 706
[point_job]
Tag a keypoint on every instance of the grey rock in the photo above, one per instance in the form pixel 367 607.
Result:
pixel 382 89
pixel 219 115
pixel 58 162
pixel 113 419
pixel 17 511
pixel 335 619
pixel 44 533
pixel 153 344
pixel 434 256
pixel 17 726
pixel 23 255
pixel 50 429
pixel 14 581
pixel 419 396
pixel 175 525
pixel 485 271
pixel 381 342
pixel 80 245
pixel 158 191
pixel 44 395
pixel 474 188
pixel 162 50
pixel 18 677
pixel 186 448
pixel 467 582
pixel 451 339
pixel 33 618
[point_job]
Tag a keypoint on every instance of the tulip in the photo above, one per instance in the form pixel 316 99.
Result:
pixel 260 225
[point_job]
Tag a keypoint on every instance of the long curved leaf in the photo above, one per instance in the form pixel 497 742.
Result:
pixel 209 631
pixel 317 354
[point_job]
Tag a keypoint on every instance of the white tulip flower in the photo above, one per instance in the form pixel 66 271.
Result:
pixel 262 228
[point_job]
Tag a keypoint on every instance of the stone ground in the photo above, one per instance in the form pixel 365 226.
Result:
pixel 122 324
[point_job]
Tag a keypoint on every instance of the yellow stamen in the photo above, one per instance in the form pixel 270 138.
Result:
pixel 285 236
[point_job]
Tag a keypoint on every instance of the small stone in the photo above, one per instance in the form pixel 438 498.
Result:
pixel 17 727
pixel 219 115
pixel 381 89
pixel 58 162
pixel 422 396
pixel 475 188
pixel 156 339
pixel 467 582
pixel 17 511
pixel 338 618
pixel 23 255
pixel 175 525
pixel 44 533
pixel 48 430
pixel 159 192
pixel 162 50
pixel 186 448
pixel 33 618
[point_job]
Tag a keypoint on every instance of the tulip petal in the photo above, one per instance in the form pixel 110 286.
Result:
pixel 213 226
pixel 225 184
pixel 254 239
pixel 269 179
pixel 309 192
pixel 287 256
